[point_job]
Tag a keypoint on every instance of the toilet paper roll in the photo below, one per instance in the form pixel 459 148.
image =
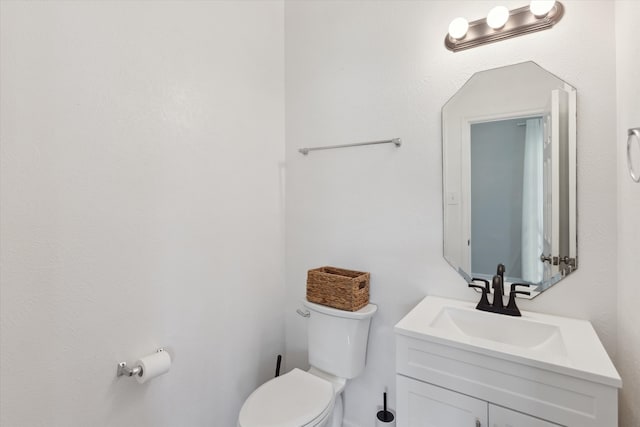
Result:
pixel 153 365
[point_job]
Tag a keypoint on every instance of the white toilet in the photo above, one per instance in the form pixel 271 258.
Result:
pixel 337 352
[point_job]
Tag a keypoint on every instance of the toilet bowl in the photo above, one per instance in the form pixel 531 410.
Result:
pixel 295 399
pixel 337 352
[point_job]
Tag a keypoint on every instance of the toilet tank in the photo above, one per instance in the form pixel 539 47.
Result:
pixel 338 339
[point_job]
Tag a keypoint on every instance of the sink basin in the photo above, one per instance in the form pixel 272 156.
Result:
pixel 523 333
pixel 555 343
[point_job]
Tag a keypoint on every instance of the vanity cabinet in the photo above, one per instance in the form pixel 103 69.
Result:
pixel 426 405
pixel 442 386
pixel 457 366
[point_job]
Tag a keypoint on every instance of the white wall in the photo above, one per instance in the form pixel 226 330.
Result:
pixel 141 206
pixel 628 355
pixel 360 71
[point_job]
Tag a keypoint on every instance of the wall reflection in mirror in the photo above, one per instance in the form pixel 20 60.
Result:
pixel 509 175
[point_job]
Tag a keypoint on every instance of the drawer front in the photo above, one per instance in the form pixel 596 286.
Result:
pixel 424 405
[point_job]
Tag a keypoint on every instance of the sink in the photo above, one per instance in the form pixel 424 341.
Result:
pixel 559 344
pixel 523 333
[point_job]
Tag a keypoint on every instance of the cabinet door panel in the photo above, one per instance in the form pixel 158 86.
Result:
pixel 425 405
pixel 502 417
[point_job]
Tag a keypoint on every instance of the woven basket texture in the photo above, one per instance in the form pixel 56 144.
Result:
pixel 338 288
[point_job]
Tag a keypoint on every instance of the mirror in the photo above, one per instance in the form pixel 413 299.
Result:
pixel 509 176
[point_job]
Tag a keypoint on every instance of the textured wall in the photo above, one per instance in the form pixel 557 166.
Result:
pixel 360 71
pixel 141 206
pixel 628 355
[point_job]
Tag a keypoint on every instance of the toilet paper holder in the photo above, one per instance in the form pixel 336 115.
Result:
pixel 124 370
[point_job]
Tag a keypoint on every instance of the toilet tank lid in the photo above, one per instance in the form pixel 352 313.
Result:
pixel 364 313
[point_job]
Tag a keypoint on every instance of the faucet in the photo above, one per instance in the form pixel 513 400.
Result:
pixel 497 305
pixel 498 287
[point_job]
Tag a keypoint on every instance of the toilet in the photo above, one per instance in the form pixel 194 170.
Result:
pixel 337 352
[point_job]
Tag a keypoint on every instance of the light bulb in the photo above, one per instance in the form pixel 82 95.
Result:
pixel 540 8
pixel 458 28
pixel 497 17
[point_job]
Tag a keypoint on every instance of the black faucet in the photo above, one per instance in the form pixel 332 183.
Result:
pixel 498 287
pixel 497 306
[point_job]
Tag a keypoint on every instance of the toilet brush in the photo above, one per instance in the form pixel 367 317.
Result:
pixel 278 361
pixel 385 418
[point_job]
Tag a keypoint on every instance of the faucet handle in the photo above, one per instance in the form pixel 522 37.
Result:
pixel 512 308
pixel 515 285
pixel 484 288
pixel 484 301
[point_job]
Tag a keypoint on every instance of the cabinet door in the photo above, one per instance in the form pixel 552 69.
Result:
pixel 502 417
pixel 424 405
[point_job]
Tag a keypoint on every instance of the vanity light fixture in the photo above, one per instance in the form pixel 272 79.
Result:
pixel 502 24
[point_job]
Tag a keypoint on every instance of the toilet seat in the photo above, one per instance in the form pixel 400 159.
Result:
pixel 295 399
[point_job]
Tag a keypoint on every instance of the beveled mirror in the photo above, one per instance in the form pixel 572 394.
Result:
pixel 509 176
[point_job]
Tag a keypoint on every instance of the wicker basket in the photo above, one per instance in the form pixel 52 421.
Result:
pixel 338 288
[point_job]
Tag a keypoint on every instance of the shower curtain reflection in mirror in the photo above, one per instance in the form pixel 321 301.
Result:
pixel 532 202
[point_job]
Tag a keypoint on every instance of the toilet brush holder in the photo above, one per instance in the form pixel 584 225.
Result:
pixel 385 418
pixel 382 421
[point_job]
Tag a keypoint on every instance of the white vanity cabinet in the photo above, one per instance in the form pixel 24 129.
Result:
pixel 458 367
